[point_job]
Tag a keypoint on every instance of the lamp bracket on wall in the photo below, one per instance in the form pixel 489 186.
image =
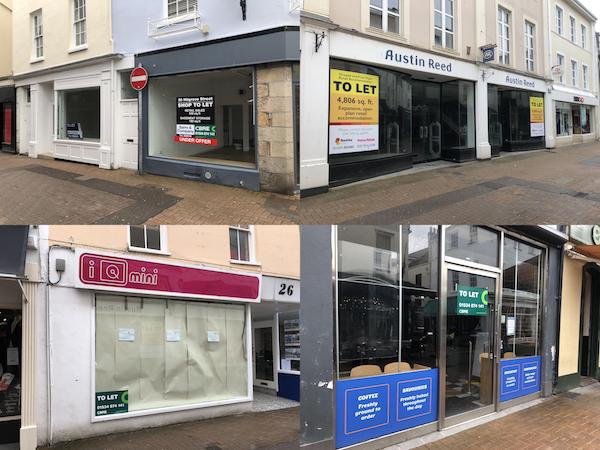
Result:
pixel 319 41
pixel 244 6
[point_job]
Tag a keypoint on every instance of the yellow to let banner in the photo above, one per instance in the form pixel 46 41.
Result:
pixel 354 98
pixel 536 108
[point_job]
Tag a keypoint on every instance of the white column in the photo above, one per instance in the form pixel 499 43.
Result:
pixel 34 121
pixel 107 157
pixel 484 149
pixel 550 120
pixel 28 433
pixel 314 104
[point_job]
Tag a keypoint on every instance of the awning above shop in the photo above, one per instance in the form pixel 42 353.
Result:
pixel 13 250
pixel 591 251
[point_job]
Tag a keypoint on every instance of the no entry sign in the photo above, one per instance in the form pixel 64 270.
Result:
pixel 139 78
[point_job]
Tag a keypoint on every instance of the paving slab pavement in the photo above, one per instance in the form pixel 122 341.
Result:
pixel 559 186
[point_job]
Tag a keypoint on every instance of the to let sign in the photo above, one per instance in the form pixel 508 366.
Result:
pixel 139 78
pixel 472 301
pixel 113 402
pixel 112 273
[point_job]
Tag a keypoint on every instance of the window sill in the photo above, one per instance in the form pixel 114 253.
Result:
pixel 79 48
pixel 387 34
pixel 77 141
pixel 148 250
pixel 178 19
pixel 37 60
pixel 449 51
pixel 245 263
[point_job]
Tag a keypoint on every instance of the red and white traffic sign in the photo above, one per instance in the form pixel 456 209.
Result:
pixel 139 78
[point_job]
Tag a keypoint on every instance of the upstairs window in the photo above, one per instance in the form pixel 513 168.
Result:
pixel 529 46
pixel 586 76
pixel 573 28
pixel 38 35
pixel 240 243
pixel 504 35
pixel 147 238
pixel 177 8
pixel 560 27
pixel 444 23
pixel 574 73
pixel 583 36
pixel 385 15
pixel 79 25
pixel 560 61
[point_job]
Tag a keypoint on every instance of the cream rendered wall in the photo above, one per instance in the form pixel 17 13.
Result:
pixel 277 247
pixel 570 314
pixel 562 44
pixel 354 15
pixel 530 10
pixel 6 39
pixel 57 17
pixel 320 7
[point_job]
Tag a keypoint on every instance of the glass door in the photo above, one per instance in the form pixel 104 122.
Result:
pixel 470 349
pixel 264 360
pixel 427 128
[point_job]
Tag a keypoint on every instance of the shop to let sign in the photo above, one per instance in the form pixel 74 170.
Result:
pixel 354 112
pixel 519 377
pixel 113 402
pixel 196 121
pixel 536 110
pixel 472 301
pixel 368 408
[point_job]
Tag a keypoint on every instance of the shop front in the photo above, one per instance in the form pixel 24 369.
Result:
pixel 575 116
pixel 392 107
pixel 157 342
pixel 8 113
pixel 517 112
pixel 222 112
pixel 436 326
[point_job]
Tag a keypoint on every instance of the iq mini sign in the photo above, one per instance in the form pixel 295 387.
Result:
pixel 472 301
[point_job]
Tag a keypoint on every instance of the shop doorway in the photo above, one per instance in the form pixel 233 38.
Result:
pixel 426 125
pixel 10 375
pixel 264 356
pixel 7 127
pixel 470 344
pixel 590 324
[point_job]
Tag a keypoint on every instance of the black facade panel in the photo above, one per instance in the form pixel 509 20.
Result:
pixel 13 249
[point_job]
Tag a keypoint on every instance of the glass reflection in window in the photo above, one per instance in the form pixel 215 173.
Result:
pixel 473 244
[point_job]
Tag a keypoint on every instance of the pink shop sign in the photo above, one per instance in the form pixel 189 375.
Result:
pixel 137 276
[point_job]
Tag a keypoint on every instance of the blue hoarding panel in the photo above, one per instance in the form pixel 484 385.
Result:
pixel 519 377
pixel 368 408
pixel 289 386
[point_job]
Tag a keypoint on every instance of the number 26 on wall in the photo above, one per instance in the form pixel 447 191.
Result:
pixel 286 289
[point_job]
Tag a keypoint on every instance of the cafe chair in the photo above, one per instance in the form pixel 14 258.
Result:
pixel 420 367
pixel 397 367
pixel 365 371
pixel 509 355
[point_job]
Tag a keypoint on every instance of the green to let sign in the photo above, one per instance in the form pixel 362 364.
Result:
pixel 113 402
pixel 472 301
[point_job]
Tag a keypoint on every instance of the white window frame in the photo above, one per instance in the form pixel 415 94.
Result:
pixel 164 247
pixel 37 26
pixel 251 245
pixel 530 43
pixel 181 15
pixel 559 57
pixel 81 20
pixel 572 29
pixel 504 41
pixel 445 15
pixel 584 36
pixel 585 73
pixel 574 73
pixel 385 12
pixel 560 20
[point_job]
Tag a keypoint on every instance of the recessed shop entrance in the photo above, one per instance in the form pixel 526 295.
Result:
pixel 470 344
pixel 590 323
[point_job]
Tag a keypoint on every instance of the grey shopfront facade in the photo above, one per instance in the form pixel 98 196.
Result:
pixel 252 80
pixel 430 337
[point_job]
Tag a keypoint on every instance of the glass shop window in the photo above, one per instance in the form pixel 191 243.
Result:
pixel 458 116
pixel 564 119
pixel 79 114
pixel 473 244
pixel 167 353
pixel 203 117
pixel 420 296
pixel 521 299
pixel 289 341
pixel 10 363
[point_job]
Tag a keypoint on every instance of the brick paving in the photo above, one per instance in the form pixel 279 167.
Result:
pixel 553 186
pixel 566 421
pixel 277 430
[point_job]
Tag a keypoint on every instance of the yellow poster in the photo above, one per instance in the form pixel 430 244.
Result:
pixel 353 112
pixel 354 98
pixel 536 109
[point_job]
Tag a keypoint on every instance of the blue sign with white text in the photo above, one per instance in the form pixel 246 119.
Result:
pixel 519 377
pixel 368 408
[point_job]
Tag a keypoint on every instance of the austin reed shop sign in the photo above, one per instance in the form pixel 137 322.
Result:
pixel 107 272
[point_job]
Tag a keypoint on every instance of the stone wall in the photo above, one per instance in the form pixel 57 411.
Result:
pixel 275 123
